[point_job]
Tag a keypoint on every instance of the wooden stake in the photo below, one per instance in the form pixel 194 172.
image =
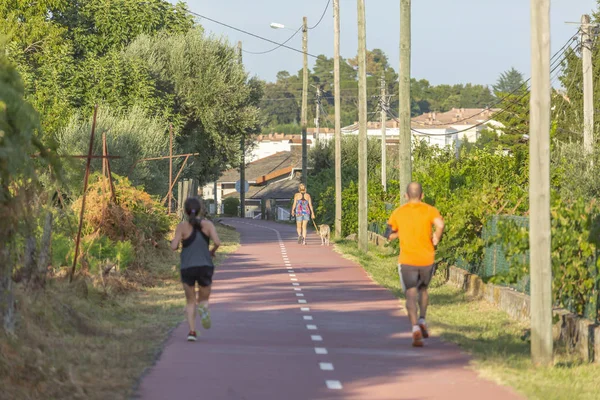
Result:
pixel 85 186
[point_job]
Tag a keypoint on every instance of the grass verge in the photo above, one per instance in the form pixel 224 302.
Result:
pixel 79 341
pixel 493 339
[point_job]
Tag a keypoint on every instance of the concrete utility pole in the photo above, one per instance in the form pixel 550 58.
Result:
pixel 304 97
pixel 362 129
pixel 588 85
pixel 338 125
pixel 383 128
pixel 317 112
pixel 539 186
pixel 243 157
pixel 404 145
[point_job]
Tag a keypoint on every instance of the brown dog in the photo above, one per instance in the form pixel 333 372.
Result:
pixel 324 232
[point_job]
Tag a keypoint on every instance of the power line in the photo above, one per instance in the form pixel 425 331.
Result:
pixel 322 15
pixel 561 51
pixel 249 33
pixel 274 48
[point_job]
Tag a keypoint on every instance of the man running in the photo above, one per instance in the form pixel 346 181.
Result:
pixel 412 225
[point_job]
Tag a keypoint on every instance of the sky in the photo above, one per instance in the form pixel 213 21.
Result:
pixel 453 41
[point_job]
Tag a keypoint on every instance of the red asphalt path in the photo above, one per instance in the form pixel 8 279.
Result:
pixel 340 336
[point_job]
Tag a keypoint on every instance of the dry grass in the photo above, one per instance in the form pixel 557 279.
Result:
pixel 78 341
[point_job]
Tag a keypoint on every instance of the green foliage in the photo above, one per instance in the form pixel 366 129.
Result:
pixel 69 52
pixel 510 81
pixel 426 98
pixel 131 135
pixel 211 91
pixel 63 248
pixel 285 128
pixel 515 123
pixel 575 246
pixel 230 206
pixel 98 26
pixel 575 175
pixel 19 132
pixel 100 252
pixel 281 104
pixel 140 61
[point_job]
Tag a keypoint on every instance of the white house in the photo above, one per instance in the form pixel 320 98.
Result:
pixel 439 129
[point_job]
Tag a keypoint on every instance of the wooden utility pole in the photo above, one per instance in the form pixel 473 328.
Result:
pixel 588 85
pixel 539 186
pixel 383 133
pixel 215 198
pixel 243 157
pixel 304 97
pixel 170 167
pixel 338 125
pixel 362 129
pixel 317 112
pixel 404 145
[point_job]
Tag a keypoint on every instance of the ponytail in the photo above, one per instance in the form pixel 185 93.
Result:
pixel 194 220
pixel 194 209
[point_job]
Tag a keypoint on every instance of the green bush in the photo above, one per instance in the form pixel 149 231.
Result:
pixel 102 251
pixel 230 206
pixel 575 233
pixel 63 248
pixel 96 251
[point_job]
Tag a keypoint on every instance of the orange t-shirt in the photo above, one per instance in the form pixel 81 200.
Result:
pixel 413 222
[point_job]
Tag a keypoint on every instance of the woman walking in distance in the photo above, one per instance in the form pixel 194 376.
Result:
pixel 303 211
pixel 195 235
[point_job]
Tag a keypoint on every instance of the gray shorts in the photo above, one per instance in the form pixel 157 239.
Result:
pixel 415 277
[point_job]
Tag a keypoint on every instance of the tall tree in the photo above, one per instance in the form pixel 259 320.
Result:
pixel 19 139
pixel 211 94
pixel 510 81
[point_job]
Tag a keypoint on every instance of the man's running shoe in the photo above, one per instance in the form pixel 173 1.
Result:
pixel 424 331
pixel 191 336
pixel 417 339
pixel 205 316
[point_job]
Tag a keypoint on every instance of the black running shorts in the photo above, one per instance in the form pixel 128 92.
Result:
pixel 202 275
pixel 415 277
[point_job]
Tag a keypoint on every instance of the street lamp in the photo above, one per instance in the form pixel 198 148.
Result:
pixel 276 25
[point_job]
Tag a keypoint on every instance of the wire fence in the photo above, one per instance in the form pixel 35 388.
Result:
pixel 496 262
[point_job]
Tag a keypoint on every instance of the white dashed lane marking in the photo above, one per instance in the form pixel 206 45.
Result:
pixel 335 385
pixel 324 366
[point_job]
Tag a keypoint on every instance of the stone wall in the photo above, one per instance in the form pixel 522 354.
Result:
pixel 580 335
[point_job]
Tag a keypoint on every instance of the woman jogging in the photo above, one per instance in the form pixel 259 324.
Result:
pixel 196 262
pixel 303 211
